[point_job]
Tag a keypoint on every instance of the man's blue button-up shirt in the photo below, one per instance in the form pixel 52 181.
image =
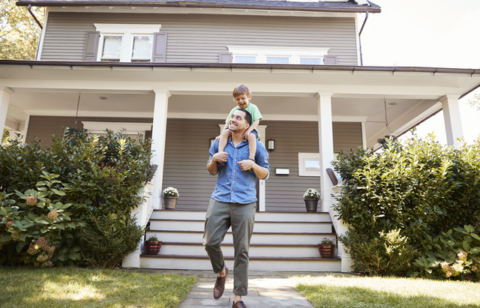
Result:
pixel 233 184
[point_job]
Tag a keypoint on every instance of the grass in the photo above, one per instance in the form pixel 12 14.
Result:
pixel 77 287
pixel 331 291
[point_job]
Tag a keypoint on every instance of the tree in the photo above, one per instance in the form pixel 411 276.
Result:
pixel 475 101
pixel 19 33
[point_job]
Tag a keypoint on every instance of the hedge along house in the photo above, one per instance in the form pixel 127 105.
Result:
pixel 166 69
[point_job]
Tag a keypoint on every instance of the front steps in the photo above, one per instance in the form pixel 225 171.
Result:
pixel 280 242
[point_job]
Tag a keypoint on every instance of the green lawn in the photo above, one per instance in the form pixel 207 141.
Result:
pixel 77 287
pixel 330 291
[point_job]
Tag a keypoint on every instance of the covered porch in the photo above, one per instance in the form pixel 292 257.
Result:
pixel 316 112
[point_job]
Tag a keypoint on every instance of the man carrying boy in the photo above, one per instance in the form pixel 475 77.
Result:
pixel 233 204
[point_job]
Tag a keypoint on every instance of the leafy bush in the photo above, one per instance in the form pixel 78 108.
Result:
pixel 387 254
pixel 417 186
pixel 39 223
pixel 455 255
pixel 94 176
pixel 105 242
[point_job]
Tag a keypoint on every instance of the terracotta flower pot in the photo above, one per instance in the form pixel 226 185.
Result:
pixel 170 202
pixel 311 205
pixel 152 247
pixel 326 251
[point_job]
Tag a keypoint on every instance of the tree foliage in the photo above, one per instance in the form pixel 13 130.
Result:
pixel 19 33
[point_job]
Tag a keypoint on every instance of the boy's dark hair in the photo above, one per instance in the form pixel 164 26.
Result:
pixel 240 90
pixel 248 116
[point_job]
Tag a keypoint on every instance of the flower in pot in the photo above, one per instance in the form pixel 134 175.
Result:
pixel 326 248
pixel 152 245
pixel 311 197
pixel 170 196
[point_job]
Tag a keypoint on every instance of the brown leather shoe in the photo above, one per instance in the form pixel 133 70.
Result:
pixel 239 304
pixel 220 285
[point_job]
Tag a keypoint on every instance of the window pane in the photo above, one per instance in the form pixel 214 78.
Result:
pixel 277 60
pixel 312 165
pixel 142 47
pixel 112 46
pixel 245 59
pixel 314 61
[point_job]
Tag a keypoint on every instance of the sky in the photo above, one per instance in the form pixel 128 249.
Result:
pixel 433 33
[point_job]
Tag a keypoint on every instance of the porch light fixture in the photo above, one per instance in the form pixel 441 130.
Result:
pixel 211 141
pixel 271 145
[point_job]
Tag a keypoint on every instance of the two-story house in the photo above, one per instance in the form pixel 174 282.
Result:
pixel 167 68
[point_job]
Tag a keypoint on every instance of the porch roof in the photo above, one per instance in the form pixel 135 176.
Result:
pixel 348 6
pixel 433 71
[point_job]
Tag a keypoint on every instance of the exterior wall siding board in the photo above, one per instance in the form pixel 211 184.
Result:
pixel 186 155
pixel 200 38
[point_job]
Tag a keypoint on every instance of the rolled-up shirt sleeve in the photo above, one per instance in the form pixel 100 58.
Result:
pixel 213 150
pixel 261 158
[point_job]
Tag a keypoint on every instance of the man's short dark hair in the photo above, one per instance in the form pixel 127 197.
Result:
pixel 248 116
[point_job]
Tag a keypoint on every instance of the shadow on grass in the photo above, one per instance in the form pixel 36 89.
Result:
pixel 74 287
pixel 353 296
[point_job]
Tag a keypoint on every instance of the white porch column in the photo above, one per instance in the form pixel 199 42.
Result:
pixel 453 123
pixel 4 102
pixel 325 134
pixel 158 143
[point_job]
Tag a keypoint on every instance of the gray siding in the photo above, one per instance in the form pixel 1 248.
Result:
pixel 284 193
pixel 200 38
pixel 186 155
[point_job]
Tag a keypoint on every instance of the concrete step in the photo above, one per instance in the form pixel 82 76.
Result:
pixel 257 237
pixel 201 262
pixel 259 216
pixel 256 250
pixel 260 226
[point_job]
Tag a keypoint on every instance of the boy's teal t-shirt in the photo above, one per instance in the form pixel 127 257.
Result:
pixel 254 111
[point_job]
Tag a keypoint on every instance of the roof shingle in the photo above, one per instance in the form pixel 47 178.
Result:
pixel 351 5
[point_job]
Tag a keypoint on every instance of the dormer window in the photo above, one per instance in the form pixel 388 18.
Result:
pixel 126 43
pixel 278 55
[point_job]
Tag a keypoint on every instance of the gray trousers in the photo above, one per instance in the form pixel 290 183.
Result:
pixel 220 216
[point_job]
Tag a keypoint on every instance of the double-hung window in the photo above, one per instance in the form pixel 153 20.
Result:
pixel 126 43
pixel 278 55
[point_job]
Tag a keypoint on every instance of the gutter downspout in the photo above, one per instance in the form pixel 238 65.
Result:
pixel 29 8
pixel 360 39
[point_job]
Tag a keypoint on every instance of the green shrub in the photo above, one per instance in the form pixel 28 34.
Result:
pixel 455 255
pixel 387 254
pixel 107 240
pixel 38 225
pixel 416 186
pixel 94 176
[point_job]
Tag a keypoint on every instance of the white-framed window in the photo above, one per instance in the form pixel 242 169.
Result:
pixel 278 55
pixel 126 42
pixel 132 130
pixel 309 164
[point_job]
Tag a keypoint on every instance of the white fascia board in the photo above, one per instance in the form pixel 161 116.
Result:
pixel 115 126
pixel 127 28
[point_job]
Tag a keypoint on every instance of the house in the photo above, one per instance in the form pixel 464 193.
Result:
pixel 167 69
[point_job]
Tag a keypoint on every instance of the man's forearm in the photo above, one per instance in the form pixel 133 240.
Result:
pixel 260 172
pixel 212 167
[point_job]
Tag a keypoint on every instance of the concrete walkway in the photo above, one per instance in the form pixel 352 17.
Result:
pixel 266 289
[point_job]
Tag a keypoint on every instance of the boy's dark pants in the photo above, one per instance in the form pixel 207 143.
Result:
pixel 220 216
